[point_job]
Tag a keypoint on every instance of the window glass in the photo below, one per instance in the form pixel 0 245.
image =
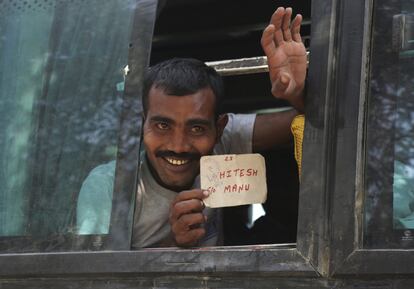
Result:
pixel 61 84
pixel 389 218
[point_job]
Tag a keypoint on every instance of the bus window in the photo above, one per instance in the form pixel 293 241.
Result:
pixel 389 217
pixel 61 84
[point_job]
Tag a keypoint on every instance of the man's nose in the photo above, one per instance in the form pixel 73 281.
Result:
pixel 179 142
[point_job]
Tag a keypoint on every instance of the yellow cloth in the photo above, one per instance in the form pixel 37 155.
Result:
pixel 297 127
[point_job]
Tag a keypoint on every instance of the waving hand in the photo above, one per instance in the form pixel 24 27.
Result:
pixel 286 56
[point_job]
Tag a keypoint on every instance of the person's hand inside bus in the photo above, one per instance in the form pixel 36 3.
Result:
pixel 286 56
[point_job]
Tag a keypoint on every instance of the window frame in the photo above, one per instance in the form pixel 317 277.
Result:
pixel 129 140
pixel 340 162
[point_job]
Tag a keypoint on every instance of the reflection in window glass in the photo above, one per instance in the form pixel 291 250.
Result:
pixel 61 82
pixel 389 217
pixel 403 197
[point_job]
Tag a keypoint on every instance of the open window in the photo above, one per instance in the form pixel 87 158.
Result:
pixel 231 44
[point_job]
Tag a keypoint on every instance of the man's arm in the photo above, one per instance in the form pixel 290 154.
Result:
pixel 272 130
pixel 286 57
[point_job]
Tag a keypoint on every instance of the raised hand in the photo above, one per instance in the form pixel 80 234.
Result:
pixel 286 56
pixel 186 217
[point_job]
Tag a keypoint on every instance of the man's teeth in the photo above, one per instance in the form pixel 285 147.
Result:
pixel 177 162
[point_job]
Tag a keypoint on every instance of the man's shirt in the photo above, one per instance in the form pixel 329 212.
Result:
pixel 151 219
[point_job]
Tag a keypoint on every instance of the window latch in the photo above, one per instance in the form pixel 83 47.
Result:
pixel 403 32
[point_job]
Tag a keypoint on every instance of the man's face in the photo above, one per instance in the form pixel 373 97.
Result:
pixel 178 130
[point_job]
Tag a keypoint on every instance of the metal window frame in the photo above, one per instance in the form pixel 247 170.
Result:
pixel 242 66
pixel 353 258
pixel 128 158
pixel 265 259
pixel 334 146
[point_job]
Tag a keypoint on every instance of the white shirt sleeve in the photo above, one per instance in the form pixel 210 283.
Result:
pixel 237 136
pixel 95 200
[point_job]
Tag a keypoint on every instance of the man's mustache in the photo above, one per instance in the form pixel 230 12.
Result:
pixel 184 155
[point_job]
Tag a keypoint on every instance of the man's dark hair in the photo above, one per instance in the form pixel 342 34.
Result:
pixel 183 76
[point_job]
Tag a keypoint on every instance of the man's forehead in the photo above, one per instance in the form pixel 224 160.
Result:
pixel 158 98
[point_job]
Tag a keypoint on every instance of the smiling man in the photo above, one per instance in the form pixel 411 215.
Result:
pixel 181 103
pixel 182 122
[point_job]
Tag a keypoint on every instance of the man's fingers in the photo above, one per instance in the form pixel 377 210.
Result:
pixel 284 29
pixel 267 42
pixel 277 20
pixel 185 222
pixel 188 195
pixel 186 229
pixel 186 217
pixel 295 28
pixel 190 238
pixel 185 207
pixel 286 24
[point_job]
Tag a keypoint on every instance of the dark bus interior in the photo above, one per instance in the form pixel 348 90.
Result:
pixel 213 30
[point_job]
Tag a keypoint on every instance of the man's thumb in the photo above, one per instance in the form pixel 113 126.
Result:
pixel 281 85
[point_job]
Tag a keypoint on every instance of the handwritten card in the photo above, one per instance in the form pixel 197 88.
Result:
pixel 233 180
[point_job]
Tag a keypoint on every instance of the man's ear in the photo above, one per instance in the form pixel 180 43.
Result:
pixel 220 125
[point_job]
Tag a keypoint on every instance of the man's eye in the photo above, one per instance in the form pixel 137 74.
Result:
pixel 197 129
pixel 162 126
